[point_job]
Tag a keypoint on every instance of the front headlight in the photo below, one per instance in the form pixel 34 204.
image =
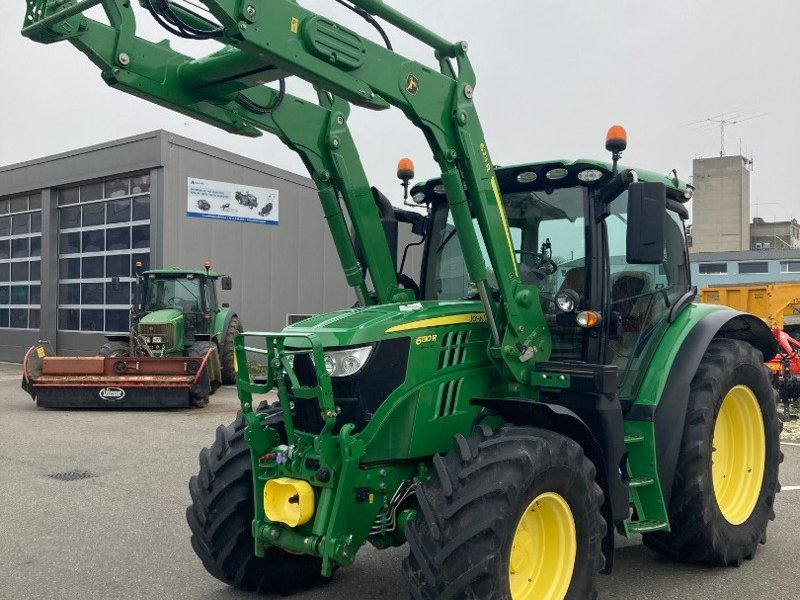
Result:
pixel 567 300
pixel 343 363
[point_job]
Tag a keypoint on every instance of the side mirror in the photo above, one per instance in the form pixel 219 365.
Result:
pixel 647 206
pixel 226 282
pixel 115 287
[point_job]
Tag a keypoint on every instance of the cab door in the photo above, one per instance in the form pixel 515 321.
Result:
pixel 640 297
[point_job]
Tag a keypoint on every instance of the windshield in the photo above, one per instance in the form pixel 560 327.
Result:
pixel 547 232
pixel 182 293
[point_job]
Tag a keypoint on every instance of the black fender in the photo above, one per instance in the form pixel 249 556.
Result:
pixel 669 415
pixel 595 422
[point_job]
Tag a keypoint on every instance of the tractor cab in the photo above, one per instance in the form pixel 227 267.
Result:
pixel 612 309
pixel 177 307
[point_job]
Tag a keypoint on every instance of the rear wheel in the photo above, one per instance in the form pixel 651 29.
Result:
pixel 727 473
pixel 221 516
pixel 115 349
pixel 507 516
pixel 227 355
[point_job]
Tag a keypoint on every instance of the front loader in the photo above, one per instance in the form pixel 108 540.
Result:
pixel 502 422
pixel 178 351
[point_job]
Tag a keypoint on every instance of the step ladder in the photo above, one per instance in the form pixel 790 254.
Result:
pixel 644 487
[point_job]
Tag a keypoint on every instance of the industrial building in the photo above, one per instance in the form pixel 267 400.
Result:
pixel 72 221
pixel 749 266
pixel 721 204
pixel 766 235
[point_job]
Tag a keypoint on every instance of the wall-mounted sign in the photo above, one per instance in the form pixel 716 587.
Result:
pixel 231 202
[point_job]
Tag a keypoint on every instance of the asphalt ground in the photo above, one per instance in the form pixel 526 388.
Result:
pixel 122 533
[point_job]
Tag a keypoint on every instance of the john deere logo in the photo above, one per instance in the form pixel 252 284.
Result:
pixel 112 394
pixel 412 85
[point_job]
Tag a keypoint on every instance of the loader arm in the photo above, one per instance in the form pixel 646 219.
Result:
pixel 266 40
pixel 152 72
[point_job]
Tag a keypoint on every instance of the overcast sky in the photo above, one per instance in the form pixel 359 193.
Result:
pixel 552 76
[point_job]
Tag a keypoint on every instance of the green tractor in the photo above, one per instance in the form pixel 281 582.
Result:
pixel 548 378
pixel 176 313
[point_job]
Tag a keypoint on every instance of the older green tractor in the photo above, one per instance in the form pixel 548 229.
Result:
pixel 547 380
pixel 176 313
pixel 179 350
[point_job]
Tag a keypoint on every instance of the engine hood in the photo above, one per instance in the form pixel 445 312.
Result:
pixel 365 325
pixel 161 317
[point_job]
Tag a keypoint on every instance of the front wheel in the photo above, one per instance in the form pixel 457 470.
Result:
pixel 221 517
pixel 727 474
pixel 200 349
pixel 115 349
pixel 508 516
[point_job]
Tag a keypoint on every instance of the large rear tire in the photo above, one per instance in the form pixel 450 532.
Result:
pixel 507 516
pixel 227 356
pixel 727 473
pixel 221 516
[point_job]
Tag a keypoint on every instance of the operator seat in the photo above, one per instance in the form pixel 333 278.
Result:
pixel 574 279
pixel 628 299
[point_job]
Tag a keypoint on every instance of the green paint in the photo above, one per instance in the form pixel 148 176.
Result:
pixel 655 379
pixel 452 356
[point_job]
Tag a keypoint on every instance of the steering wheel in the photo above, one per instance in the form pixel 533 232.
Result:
pixel 178 303
pixel 543 266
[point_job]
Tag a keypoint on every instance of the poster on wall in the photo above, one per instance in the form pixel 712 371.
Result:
pixel 231 202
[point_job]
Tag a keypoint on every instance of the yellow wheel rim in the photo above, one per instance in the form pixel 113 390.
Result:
pixel 739 454
pixel 543 550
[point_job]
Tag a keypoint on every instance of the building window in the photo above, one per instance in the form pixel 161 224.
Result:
pixel 753 268
pixel 790 266
pixel 104 228
pixel 713 268
pixel 20 261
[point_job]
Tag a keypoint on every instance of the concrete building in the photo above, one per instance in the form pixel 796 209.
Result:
pixel 766 235
pixel 71 221
pixel 721 204
pixel 750 266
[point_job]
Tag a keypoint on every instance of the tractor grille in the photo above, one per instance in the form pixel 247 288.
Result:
pixel 453 354
pixel 165 332
pixel 357 397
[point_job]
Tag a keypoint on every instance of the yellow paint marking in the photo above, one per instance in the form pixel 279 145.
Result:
pixel 499 200
pixel 440 322
pixel 295 24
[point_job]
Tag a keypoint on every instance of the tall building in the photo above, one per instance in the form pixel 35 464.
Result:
pixel 721 204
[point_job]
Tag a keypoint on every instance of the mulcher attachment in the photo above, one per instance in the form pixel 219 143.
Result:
pixel 118 382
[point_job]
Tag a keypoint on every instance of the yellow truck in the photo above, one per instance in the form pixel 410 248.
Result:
pixel 777 303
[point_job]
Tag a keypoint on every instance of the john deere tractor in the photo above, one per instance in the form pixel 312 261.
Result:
pixel 546 380
pixel 176 313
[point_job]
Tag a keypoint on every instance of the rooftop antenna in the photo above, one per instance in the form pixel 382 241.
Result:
pixel 757 203
pixel 734 120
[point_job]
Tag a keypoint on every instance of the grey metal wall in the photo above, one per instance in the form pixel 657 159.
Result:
pixel 291 267
pixel 277 270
